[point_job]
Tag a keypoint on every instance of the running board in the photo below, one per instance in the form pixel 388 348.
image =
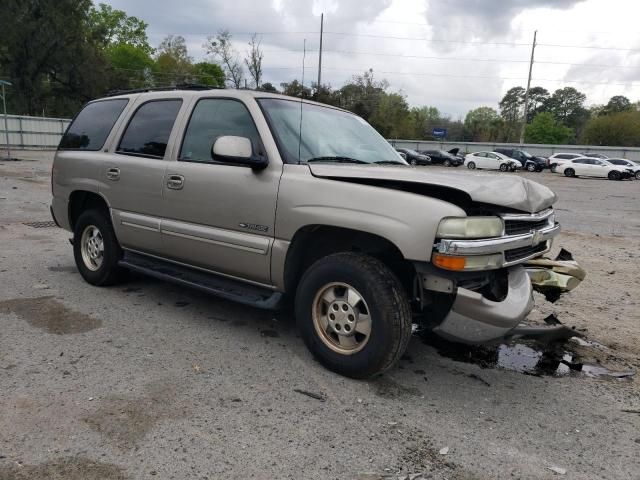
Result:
pixel 217 285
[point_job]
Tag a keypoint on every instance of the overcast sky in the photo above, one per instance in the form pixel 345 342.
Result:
pixel 451 54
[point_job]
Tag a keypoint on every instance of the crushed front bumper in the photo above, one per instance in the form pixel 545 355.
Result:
pixel 475 319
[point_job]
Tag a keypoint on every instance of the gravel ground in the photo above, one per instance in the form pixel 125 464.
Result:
pixel 150 380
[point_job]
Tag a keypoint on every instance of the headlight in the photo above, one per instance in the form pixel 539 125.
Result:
pixel 470 227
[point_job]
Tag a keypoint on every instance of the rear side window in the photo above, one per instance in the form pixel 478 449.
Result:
pixel 91 127
pixel 148 131
pixel 213 118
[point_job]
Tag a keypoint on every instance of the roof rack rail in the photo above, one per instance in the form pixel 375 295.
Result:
pixel 179 86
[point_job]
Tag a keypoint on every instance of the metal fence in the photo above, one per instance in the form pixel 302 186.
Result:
pixel 632 153
pixel 45 133
pixel 33 132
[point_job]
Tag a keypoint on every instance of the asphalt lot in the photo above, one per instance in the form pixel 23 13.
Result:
pixel 151 380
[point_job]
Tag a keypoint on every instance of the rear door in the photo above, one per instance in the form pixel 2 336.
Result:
pixel 220 216
pixel 133 171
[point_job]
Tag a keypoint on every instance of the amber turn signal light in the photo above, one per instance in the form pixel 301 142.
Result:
pixel 448 262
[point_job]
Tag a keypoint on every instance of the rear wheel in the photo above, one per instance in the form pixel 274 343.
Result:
pixel 471 165
pixel 353 314
pixel 614 175
pixel 569 172
pixel 96 249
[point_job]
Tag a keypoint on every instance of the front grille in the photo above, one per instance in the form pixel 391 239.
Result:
pixel 524 252
pixel 518 227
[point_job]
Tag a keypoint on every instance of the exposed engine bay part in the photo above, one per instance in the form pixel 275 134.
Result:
pixel 552 278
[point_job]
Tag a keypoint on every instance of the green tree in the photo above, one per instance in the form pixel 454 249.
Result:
pixel 173 64
pixel 295 89
pixel 131 66
pixel 51 55
pixel 391 117
pixel 423 120
pixel 268 87
pixel 511 110
pixel 617 104
pixel 210 74
pixel 482 124
pixel 538 98
pixel 567 106
pixel 362 94
pixel 617 129
pixel 546 129
pixel 116 27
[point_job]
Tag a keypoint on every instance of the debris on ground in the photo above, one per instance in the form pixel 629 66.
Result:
pixel 631 410
pixel 558 470
pixel 444 451
pixel 552 320
pixel 314 395
pixel 479 378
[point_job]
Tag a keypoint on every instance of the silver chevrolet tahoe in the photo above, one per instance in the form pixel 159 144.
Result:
pixel 259 198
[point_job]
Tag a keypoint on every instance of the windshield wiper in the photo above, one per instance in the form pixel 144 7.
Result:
pixel 389 162
pixel 336 160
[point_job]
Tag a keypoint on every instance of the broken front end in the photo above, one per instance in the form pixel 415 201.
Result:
pixel 479 284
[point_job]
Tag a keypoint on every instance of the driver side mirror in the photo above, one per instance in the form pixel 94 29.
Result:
pixel 238 150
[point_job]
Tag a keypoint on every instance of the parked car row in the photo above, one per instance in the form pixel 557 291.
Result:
pixel 512 159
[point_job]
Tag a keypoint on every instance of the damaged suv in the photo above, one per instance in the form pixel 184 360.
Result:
pixel 258 198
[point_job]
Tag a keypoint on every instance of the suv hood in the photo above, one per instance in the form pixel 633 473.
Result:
pixel 503 190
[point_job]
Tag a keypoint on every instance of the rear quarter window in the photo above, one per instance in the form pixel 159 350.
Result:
pixel 91 127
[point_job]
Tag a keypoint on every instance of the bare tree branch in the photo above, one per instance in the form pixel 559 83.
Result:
pixel 220 46
pixel 253 60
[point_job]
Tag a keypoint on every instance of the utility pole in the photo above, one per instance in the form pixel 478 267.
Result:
pixel 320 56
pixel 526 93
pixel 6 121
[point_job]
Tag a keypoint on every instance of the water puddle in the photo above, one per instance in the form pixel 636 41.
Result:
pixel 529 357
pixel 47 314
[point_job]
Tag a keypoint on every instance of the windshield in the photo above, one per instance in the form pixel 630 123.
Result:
pixel 526 154
pixel 328 134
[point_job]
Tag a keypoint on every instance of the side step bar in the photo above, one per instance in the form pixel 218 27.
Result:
pixel 217 285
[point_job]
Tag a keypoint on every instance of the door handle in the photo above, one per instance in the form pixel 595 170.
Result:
pixel 113 174
pixel 175 182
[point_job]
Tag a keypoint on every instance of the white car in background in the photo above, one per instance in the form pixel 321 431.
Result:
pixel 593 167
pixel 559 158
pixel 490 161
pixel 633 165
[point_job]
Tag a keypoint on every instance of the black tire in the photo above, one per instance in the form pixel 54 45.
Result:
pixel 504 167
pixel 447 163
pixel 637 175
pixel 108 272
pixel 532 167
pixel 614 175
pixel 569 172
pixel 413 162
pixel 471 165
pixel 388 310
pixel 554 167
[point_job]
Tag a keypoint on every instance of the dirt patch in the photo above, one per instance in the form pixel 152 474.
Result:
pixel 387 388
pixel 125 421
pixel 49 315
pixel 66 468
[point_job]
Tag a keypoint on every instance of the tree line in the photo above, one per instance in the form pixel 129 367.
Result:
pixel 61 53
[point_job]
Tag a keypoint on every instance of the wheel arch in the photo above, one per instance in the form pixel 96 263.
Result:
pixel 81 200
pixel 315 241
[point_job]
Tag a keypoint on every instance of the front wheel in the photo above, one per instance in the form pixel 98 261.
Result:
pixel 96 249
pixel 447 163
pixel 471 165
pixel 532 167
pixel 569 172
pixel 353 314
pixel 637 175
pixel 553 168
pixel 504 167
pixel 613 175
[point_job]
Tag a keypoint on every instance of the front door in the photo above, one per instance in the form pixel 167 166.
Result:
pixel 217 215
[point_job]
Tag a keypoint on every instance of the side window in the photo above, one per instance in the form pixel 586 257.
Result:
pixel 213 118
pixel 481 154
pixel 148 131
pixel 92 125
